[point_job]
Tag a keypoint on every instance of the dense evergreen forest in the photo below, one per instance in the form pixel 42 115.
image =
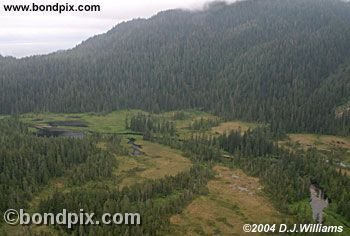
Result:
pixel 143 198
pixel 27 162
pixel 287 175
pixel 285 62
pixel 148 125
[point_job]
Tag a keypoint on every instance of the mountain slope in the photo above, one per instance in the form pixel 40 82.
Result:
pixel 265 60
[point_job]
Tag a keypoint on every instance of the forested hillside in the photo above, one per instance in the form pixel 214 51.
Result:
pixel 285 62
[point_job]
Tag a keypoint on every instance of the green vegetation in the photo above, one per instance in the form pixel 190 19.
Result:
pixel 234 126
pixel 226 208
pixel 283 62
pixel 321 142
pixel 168 117
pixel 175 192
pixel 29 162
pixel 157 162
pixel 111 167
pixel 113 122
pixel 287 175
pixel 336 149
pixel 333 218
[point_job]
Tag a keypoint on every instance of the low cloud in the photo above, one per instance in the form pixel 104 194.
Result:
pixel 28 33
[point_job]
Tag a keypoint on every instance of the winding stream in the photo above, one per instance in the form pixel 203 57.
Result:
pixel 318 203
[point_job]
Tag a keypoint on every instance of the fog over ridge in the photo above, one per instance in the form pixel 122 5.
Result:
pixel 31 33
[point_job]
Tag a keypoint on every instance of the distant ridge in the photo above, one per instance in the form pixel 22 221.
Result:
pixel 285 62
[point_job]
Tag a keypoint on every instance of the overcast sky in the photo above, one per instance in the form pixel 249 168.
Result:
pixel 23 34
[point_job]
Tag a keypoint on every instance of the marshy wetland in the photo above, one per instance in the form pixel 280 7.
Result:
pixel 232 198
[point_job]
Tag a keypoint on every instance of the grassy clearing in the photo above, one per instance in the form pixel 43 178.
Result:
pixel 234 199
pixel 157 162
pixel 344 171
pixel 113 122
pixel 189 116
pixel 193 115
pixel 338 146
pixel 321 142
pixel 167 161
pixel 234 126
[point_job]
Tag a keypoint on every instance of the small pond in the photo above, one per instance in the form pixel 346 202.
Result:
pixel 318 203
pixel 54 132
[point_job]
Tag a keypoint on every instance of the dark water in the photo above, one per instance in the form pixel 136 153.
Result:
pixel 54 132
pixel 136 148
pixel 318 203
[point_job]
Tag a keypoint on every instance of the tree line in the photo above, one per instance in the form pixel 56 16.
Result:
pixel 283 62
pixel 28 163
pixel 155 200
